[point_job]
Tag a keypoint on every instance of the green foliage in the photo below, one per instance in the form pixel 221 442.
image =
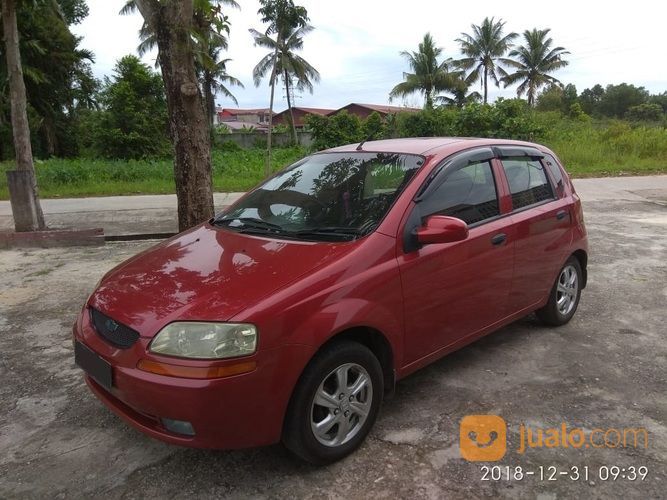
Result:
pixel 373 127
pixel 483 50
pixel 230 146
pixel 331 131
pixel 617 99
pixel 429 75
pixel 133 123
pixel 650 112
pixel 510 118
pixel 232 171
pixel 609 147
pixel 533 62
pixel 59 81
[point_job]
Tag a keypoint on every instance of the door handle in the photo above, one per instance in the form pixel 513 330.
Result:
pixel 498 239
pixel 561 214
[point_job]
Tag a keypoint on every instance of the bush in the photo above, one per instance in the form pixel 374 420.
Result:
pixel 331 131
pixel 645 113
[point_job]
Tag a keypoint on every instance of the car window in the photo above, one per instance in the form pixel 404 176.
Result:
pixel 527 181
pixel 556 173
pixel 468 193
pixel 326 196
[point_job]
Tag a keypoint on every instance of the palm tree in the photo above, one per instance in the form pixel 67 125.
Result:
pixel 460 98
pixel 482 51
pixel 287 64
pixel 428 74
pixel 214 79
pixel 533 62
pixel 289 23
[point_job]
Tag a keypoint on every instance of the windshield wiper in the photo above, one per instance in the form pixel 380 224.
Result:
pixel 326 232
pixel 249 223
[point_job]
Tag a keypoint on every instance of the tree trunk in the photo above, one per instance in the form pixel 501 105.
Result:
pixel 267 166
pixel 295 139
pixel 209 98
pixel 486 84
pixel 31 213
pixel 171 21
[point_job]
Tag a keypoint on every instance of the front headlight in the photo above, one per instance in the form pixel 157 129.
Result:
pixel 205 340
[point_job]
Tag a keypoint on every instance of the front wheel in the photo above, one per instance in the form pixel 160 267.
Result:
pixel 565 295
pixel 334 404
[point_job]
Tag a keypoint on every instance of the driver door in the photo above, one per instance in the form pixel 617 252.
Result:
pixel 453 290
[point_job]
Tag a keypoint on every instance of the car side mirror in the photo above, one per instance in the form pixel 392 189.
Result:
pixel 442 229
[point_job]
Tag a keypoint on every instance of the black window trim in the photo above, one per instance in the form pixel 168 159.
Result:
pixel 437 176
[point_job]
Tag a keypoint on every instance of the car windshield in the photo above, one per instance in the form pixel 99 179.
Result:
pixel 327 197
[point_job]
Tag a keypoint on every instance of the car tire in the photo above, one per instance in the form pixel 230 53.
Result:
pixel 334 404
pixel 564 297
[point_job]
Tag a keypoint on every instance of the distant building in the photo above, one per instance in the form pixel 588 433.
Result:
pixel 258 116
pixel 363 110
pixel 300 115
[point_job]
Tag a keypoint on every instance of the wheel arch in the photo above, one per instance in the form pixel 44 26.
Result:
pixel 582 257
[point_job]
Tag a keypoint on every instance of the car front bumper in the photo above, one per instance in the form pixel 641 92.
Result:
pixel 239 411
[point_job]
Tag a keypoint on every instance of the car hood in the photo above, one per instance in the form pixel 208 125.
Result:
pixel 205 274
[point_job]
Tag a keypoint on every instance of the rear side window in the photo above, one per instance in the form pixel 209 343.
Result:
pixel 468 193
pixel 527 180
pixel 556 173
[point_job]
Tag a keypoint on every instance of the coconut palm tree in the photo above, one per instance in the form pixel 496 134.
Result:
pixel 533 61
pixel 214 79
pixel 289 23
pixel 483 50
pixel 428 74
pixel 460 97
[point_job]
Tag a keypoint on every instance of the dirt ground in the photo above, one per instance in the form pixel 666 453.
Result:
pixel 605 369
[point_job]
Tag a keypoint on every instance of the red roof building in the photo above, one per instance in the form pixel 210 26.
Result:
pixel 300 115
pixel 363 110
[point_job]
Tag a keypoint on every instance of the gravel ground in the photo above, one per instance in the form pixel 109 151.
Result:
pixel 605 369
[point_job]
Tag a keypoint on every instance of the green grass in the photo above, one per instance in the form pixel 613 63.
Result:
pixel 587 148
pixel 606 148
pixel 232 171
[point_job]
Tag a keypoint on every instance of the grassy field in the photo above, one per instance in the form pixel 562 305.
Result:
pixel 232 171
pixel 603 149
pixel 588 149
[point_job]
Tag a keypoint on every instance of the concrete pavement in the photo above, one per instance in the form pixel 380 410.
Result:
pixel 150 214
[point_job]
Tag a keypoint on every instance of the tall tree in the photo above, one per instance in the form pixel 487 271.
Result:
pixel 133 121
pixel 209 33
pixel 533 61
pixel 289 66
pixel 286 21
pixel 483 50
pixel 214 79
pixel 429 75
pixel 31 217
pixel 172 23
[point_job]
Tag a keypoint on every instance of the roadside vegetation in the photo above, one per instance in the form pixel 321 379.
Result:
pixel 95 137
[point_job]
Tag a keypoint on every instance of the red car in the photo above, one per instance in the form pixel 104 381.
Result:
pixel 293 313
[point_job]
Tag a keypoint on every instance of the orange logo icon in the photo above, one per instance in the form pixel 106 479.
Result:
pixel 483 438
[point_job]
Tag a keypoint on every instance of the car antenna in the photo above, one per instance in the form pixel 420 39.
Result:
pixel 359 147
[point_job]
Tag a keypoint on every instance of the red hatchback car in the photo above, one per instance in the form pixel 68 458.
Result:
pixel 290 315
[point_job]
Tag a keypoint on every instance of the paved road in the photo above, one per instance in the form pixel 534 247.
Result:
pixel 157 213
pixel 605 369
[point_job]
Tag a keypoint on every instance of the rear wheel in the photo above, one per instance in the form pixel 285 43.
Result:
pixel 564 297
pixel 334 404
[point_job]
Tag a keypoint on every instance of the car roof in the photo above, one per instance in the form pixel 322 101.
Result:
pixel 428 145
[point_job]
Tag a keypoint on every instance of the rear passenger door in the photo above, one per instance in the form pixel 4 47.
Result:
pixel 541 219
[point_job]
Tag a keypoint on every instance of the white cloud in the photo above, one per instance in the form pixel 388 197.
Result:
pixel 356 44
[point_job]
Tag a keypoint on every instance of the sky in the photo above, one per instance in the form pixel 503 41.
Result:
pixel 356 44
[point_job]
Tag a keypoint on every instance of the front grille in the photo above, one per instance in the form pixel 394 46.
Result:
pixel 113 332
